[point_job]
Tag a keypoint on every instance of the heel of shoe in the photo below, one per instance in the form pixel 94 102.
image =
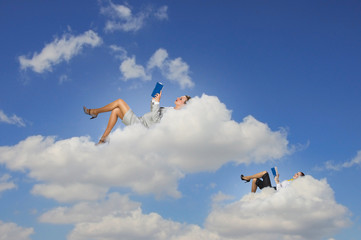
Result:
pixel 245 181
pixel 103 141
pixel 87 111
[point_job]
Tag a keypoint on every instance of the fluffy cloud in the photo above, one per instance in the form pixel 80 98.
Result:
pixel 11 120
pixel 120 218
pixel 59 50
pixel 139 226
pixel 11 231
pixel 158 59
pixel 162 13
pixel 5 184
pixel 355 161
pixel 130 70
pixel 301 211
pixel 114 204
pixel 119 52
pixel 122 18
pixel 64 78
pixel 200 137
pixel 176 70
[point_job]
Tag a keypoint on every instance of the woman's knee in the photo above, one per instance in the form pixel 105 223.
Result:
pixel 120 111
pixel 116 112
pixel 122 105
pixel 120 102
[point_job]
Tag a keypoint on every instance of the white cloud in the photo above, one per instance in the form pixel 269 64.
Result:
pixel 162 13
pixel 58 51
pixel 220 197
pixel 64 78
pixel 5 184
pixel 178 71
pixel 120 218
pixel 121 11
pixel 11 231
pixel 11 120
pixel 130 70
pixel 355 161
pixel 139 226
pixel 122 18
pixel 175 70
pixel 158 59
pixel 200 137
pixel 119 52
pixel 69 192
pixel 336 167
pixel 301 211
pixel 115 204
pixel 329 165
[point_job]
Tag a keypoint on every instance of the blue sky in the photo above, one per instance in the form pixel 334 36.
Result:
pixel 274 83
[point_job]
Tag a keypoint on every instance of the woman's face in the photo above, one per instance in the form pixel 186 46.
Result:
pixel 180 101
pixel 297 175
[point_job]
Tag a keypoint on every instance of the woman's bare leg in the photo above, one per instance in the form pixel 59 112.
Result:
pixel 118 108
pixel 111 123
pixel 119 103
pixel 255 176
pixel 254 186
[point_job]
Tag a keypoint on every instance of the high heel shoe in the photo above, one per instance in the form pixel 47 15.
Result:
pixel 102 141
pixel 87 111
pixel 245 181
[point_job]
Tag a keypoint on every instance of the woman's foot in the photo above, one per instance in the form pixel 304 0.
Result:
pixel 88 111
pixel 244 179
pixel 102 141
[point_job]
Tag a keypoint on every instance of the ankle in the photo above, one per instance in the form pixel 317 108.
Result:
pixel 102 141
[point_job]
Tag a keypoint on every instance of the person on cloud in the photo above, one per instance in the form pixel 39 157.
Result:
pixel 262 180
pixel 120 109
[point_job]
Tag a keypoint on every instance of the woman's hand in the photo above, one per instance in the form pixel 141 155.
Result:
pixel 157 97
pixel 277 178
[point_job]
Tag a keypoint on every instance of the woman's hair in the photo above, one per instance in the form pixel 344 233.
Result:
pixel 302 174
pixel 188 98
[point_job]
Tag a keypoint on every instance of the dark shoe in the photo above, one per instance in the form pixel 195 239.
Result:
pixel 102 141
pixel 246 181
pixel 87 111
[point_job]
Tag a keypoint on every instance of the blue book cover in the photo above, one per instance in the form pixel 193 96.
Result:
pixel 274 171
pixel 158 87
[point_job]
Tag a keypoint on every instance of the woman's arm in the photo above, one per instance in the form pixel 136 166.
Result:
pixel 157 97
pixel 155 102
pixel 154 107
pixel 277 180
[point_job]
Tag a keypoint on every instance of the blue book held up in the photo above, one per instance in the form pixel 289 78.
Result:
pixel 274 171
pixel 158 87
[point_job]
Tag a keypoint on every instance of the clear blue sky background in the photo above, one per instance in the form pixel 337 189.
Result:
pixel 292 65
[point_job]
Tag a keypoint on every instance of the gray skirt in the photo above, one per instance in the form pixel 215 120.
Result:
pixel 130 118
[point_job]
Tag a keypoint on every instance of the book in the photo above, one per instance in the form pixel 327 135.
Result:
pixel 158 87
pixel 274 171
